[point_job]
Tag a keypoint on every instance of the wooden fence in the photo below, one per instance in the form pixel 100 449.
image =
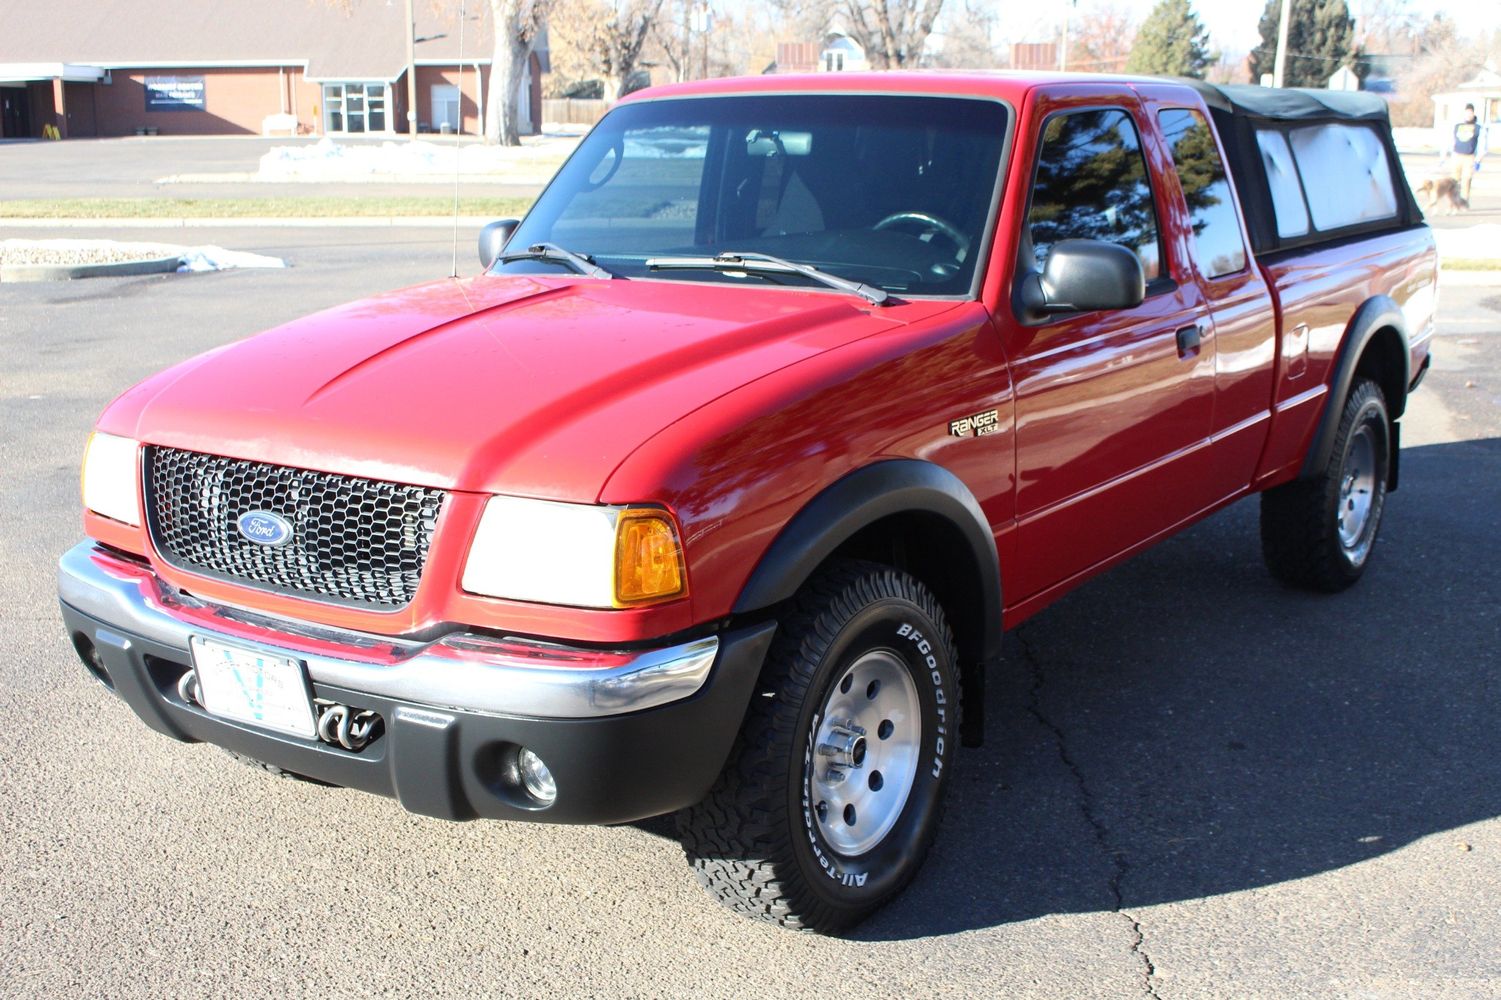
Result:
pixel 572 111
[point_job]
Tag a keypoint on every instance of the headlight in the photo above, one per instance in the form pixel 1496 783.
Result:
pixel 111 483
pixel 575 554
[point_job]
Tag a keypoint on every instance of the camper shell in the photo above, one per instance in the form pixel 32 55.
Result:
pixel 1282 142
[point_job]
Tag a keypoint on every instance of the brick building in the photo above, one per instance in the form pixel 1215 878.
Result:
pixel 223 67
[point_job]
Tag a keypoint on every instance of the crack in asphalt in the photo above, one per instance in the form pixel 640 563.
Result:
pixel 1120 868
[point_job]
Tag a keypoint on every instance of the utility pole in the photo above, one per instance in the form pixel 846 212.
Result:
pixel 701 20
pixel 411 34
pixel 1279 68
pixel 1063 49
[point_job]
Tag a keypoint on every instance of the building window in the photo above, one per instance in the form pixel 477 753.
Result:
pixel 354 108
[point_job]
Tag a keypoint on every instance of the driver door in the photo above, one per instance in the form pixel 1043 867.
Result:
pixel 1113 408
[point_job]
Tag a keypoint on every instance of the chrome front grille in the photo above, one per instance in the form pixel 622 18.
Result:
pixel 353 541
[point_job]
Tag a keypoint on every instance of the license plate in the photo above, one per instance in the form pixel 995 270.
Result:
pixel 252 687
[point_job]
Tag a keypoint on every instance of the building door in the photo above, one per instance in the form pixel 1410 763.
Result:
pixel 354 108
pixel 445 107
pixel 15 117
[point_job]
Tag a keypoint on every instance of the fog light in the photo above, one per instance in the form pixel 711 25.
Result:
pixel 536 777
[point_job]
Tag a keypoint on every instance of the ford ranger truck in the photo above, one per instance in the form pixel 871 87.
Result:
pixel 713 493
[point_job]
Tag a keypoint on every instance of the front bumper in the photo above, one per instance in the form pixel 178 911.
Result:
pixel 626 734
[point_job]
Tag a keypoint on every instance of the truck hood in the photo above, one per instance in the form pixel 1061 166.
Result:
pixel 536 386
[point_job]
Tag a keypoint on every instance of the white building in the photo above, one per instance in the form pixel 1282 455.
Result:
pixel 842 54
pixel 1484 91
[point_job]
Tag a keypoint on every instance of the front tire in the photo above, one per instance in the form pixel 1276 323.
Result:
pixel 1318 533
pixel 834 789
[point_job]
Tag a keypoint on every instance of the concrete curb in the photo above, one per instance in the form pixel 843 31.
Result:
pixel 328 222
pixel 65 272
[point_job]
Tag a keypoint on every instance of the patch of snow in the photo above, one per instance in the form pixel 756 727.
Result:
pixel 327 160
pixel 212 258
pixel 78 251
pixel 1411 139
pixel 1477 242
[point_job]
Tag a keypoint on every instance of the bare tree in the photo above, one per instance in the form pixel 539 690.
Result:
pixel 1389 26
pixel 1100 40
pixel 1446 58
pixel 517 24
pixel 968 44
pixel 892 32
pixel 602 38
pixel 670 42
pixel 621 40
pixel 571 31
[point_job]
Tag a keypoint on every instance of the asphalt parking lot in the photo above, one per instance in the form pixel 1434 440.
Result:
pixel 135 167
pixel 1197 784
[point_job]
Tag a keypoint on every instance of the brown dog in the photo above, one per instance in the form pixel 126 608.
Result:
pixel 1445 189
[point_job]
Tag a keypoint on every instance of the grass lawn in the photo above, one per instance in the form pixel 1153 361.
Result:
pixel 1470 264
pixel 274 208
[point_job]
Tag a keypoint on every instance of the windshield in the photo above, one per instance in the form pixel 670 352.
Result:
pixel 887 190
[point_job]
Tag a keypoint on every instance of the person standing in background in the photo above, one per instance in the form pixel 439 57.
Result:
pixel 1468 150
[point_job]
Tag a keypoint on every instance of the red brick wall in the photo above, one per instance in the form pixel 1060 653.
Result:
pixel 430 76
pixel 235 101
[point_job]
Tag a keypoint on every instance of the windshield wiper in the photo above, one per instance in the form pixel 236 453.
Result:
pixel 551 251
pixel 762 263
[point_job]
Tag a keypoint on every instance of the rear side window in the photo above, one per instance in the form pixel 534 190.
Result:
pixel 1206 189
pixel 1333 176
pixel 1345 173
pixel 1092 184
pixel 1282 177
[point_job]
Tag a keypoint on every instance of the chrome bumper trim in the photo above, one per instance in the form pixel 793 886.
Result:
pixel 464 671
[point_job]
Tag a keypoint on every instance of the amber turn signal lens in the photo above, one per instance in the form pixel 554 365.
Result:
pixel 648 558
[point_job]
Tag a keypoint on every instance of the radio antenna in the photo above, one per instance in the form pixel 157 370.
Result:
pixel 458 133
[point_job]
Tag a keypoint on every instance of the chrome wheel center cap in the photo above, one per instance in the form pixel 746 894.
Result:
pixel 844 749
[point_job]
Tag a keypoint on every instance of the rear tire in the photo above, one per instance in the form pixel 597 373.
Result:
pixel 1319 533
pixel 833 791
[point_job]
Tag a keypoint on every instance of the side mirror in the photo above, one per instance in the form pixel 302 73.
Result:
pixel 493 239
pixel 1085 275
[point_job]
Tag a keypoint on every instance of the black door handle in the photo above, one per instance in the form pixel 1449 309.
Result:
pixel 1188 341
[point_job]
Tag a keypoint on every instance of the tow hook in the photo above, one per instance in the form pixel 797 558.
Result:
pixel 350 728
pixel 338 725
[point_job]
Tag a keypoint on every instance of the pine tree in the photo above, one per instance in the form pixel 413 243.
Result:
pixel 1172 42
pixel 1320 39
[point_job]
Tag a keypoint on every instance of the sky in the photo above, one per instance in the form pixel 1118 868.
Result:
pixel 1232 24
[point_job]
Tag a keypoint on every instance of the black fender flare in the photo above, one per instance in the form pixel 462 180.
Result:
pixel 860 499
pixel 1377 313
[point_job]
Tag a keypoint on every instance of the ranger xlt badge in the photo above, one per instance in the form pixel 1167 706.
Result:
pixel 976 426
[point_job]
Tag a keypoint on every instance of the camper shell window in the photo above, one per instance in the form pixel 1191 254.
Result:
pixel 1311 166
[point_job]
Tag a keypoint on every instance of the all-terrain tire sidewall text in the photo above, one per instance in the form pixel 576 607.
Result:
pixel 905 629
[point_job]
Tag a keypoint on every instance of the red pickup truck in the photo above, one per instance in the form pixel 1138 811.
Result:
pixel 714 492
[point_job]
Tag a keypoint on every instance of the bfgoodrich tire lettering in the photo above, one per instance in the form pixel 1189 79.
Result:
pixel 1318 533
pixel 758 842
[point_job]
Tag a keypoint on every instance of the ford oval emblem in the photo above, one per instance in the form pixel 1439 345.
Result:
pixel 264 528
